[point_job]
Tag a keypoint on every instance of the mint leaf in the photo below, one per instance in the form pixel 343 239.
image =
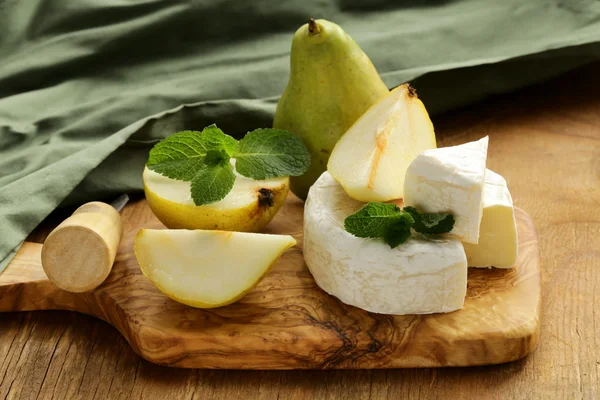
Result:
pixel 212 183
pixel 181 155
pixel 398 233
pixel 431 222
pixel 216 157
pixel 271 153
pixel 178 156
pixel 215 139
pixel 380 220
pixel 372 220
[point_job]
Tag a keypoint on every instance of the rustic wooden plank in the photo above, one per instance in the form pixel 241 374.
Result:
pixel 545 140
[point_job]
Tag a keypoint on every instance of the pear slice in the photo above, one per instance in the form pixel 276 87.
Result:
pixel 249 207
pixel 371 159
pixel 207 269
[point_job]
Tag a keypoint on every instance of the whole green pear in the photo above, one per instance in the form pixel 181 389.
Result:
pixel 332 83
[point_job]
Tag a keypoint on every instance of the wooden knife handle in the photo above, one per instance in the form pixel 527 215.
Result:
pixel 79 254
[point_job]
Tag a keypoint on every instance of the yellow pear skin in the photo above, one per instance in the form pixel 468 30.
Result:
pixel 332 83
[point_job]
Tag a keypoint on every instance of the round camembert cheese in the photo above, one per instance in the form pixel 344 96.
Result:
pixel 420 276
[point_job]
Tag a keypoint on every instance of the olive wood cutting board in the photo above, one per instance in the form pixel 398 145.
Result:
pixel 287 322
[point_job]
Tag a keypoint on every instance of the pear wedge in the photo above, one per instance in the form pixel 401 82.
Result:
pixel 332 83
pixel 372 157
pixel 206 269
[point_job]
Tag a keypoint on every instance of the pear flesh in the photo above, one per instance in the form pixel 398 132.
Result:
pixel 207 269
pixel 332 83
pixel 371 159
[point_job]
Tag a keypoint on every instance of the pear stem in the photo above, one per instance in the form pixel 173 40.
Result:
pixel 313 27
pixel 412 92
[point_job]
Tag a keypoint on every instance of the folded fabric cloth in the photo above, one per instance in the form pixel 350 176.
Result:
pixel 84 83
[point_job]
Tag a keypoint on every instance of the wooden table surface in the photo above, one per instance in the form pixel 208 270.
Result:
pixel 545 140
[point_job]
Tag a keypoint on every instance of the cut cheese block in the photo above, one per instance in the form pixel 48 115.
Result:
pixel 421 276
pixel 498 242
pixel 450 179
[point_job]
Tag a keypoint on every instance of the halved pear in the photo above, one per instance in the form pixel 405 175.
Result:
pixel 207 269
pixel 370 160
pixel 249 207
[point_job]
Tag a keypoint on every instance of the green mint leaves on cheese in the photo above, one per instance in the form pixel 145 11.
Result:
pixel 398 232
pixel 204 159
pixel 393 225
pixel 431 223
pixel 380 220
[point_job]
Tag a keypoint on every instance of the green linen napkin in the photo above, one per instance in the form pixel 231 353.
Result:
pixel 84 83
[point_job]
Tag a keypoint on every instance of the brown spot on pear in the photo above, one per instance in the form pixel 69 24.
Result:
pixel 265 198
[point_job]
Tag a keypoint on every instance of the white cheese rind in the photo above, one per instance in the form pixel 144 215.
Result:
pixel 421 276
pixel 498 239
pixel 450 179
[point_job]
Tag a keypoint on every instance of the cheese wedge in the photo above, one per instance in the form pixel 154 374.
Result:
pixel 421 276
pixel 498 243
pixel 450 179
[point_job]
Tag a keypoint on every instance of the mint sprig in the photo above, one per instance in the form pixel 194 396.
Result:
pixel 393 225
pixel 181 156
pixel 374 220
pixel 204 159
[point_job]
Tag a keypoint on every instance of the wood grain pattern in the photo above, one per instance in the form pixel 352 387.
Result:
pixel 287 322
pixel 545 140
pixel 79 254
